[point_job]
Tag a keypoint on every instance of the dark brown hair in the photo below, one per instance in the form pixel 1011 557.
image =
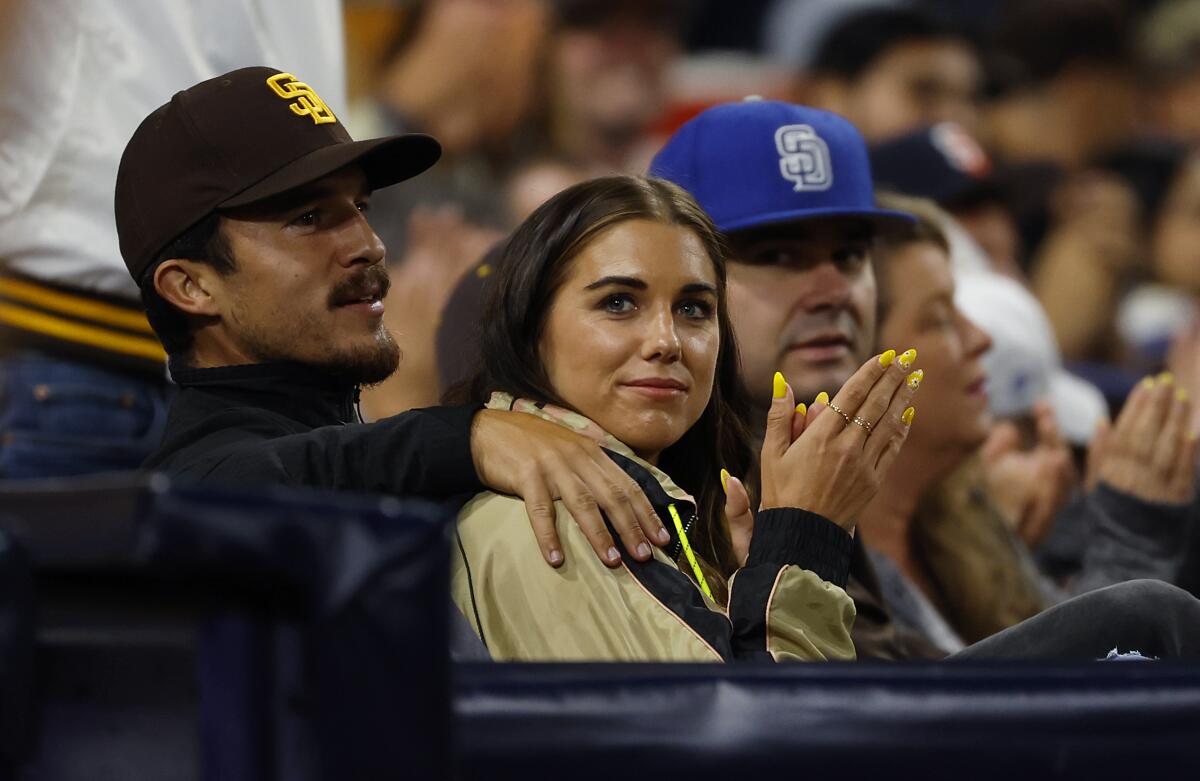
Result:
pixel 532 267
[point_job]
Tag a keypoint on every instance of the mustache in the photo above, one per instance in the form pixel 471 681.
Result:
pixel 372 282
pixel 805 326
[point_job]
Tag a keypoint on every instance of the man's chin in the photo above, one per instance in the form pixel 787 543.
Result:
pixel 368 364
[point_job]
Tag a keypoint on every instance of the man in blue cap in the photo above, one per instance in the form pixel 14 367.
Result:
pixel 791 188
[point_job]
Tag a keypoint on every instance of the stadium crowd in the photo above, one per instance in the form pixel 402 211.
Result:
pixel 797 330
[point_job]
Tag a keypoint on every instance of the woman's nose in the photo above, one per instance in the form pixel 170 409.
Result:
pixel 662 339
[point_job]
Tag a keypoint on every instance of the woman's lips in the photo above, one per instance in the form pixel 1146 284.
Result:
pixel 978 388
pixel 658 389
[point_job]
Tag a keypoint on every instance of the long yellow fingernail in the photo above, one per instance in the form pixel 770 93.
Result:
pixel 886 359
pixel 822 398
pixel 1181 394
pixel 780 387
pixel 725 481
pixel 906 358
pixel 1147 382
pixel 1166 378
pixel 908 415
pixel 914 379
pixel 801 409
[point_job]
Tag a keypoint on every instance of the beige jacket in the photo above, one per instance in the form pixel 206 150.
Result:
pixel 781 604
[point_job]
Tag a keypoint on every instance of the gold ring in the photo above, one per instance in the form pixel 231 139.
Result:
pixel 864 423
pixel 838 410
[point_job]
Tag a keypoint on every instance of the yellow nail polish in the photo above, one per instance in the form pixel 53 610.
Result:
pixel 886 359
pixel 725 481
pixel 1181 394
pixel 1193 436
pixel 1147 382
pixel 914 379
pixel 801 409
pixel 906 358
pixel 1166 378
pixel 780 387
pixel 908 415
pixel 822 398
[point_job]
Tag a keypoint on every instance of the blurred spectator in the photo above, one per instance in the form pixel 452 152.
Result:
pixel 1157 295
pixel 891 70
pixel 1063 97
pixel 794 29
pixel 945 164
pixel 1168 46
pixel 1064 82
pixel 607 72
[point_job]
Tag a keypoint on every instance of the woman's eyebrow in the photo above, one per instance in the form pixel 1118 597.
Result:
pixel 633 282
pixel 698 287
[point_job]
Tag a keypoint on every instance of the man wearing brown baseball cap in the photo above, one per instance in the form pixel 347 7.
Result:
pixel 241 212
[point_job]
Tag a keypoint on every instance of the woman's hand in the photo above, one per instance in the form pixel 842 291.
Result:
pixel 738 515
pixel 1029 485
pixel 842 447
pixel 1150 452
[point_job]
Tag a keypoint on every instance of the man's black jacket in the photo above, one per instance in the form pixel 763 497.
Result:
pixel 288 424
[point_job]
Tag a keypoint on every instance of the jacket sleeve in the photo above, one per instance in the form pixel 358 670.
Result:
pixel 424 452
pixel 524 610
pixel 1131 538
pixel 790 598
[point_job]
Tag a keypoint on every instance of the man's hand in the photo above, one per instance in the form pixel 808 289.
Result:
pixel 519 454
pixel 1150 452
pixel 1030 485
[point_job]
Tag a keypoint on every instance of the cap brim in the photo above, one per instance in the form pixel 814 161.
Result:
pixel 883 220
pixel 385 161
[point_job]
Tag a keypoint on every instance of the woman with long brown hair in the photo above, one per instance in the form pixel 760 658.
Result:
pixel 608 315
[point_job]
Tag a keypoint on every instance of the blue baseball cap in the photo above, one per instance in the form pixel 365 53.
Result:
pixel 761 162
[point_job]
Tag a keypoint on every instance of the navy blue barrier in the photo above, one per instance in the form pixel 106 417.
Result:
pixel 183 633
pixel 1136 720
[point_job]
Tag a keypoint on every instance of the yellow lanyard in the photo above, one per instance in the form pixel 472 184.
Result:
pixel 687 551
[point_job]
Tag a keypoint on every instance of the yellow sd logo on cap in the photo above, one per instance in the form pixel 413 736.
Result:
pixel 308 103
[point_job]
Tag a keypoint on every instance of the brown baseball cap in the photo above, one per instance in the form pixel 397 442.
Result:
pixel 233 140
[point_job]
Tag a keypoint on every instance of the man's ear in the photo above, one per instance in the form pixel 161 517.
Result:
pixel 187 286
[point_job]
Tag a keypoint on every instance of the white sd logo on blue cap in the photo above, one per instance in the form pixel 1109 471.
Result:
pixel 803 158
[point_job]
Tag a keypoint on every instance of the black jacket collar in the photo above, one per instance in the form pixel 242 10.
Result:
pixel 303 393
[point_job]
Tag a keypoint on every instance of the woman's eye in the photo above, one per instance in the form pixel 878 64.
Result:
pixel 696 310
pixel 363 206
pixel 308 219
pixel 618 304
